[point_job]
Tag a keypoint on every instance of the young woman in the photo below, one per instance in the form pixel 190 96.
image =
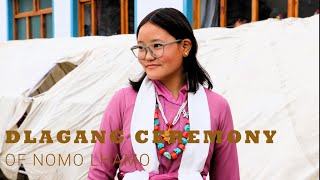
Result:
pixel 169 97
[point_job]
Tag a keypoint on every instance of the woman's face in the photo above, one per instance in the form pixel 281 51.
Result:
pixel 169 65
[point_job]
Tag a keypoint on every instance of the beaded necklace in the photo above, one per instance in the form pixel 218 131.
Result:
pixel 166 135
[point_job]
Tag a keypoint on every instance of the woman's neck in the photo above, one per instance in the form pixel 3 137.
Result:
pixel 174 85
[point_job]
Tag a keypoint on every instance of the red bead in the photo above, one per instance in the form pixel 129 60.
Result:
pixel 185 134
pixel 174 155
pixel 182 147
pixel 156 116
pixel 156 128
pixel 161 151
pixel 188 122
pixel 169 124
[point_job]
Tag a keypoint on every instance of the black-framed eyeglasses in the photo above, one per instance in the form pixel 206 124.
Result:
pixel 156 49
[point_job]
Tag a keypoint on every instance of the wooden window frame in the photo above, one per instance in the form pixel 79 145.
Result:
pixel 27 15
pixel 293 11
pixel 223 13
pixel 254 10
pixel 124 16
pixel 81 4
pixel 196 14
pixel 293 8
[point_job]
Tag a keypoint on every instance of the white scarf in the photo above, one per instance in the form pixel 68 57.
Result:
pixel 195 154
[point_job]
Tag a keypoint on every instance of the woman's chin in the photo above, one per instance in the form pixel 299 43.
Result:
pixel 153 76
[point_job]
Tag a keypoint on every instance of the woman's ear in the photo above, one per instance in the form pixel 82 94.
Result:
pixel 186 47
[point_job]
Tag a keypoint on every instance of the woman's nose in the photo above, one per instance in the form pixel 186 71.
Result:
pixel 149 55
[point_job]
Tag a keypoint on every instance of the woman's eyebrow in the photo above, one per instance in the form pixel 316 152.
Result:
pixel 153 40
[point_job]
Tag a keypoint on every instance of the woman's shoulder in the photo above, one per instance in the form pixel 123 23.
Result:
pixel 219 107
pixel 215 99
pixel 126 90
pixel 125 93
pixel 121 99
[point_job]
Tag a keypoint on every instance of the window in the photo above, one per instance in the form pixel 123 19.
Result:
pixel 105 17
pixel 237 12
pixel 32 19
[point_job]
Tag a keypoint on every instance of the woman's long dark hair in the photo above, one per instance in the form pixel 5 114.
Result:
pixel 177 25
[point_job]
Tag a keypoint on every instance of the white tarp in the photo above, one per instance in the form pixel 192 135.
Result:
pixel 268 71
pixel 25 63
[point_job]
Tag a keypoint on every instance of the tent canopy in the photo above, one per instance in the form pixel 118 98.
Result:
pixel 268 71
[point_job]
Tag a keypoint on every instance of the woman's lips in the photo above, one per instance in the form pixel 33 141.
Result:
pixel 151 66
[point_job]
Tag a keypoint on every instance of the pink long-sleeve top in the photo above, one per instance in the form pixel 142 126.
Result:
pixel 222 160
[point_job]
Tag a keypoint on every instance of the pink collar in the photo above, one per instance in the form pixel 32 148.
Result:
pixel 163 91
